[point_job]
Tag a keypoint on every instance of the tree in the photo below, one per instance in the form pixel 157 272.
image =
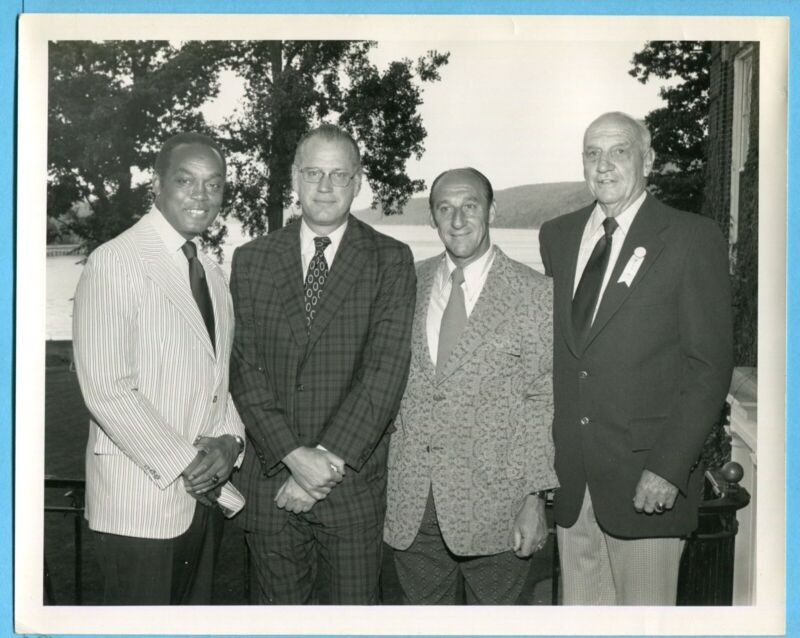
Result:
pixel 111 105
pixel 293 85
pixel 680 128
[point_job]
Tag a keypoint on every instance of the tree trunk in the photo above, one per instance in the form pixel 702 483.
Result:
pixel 276 177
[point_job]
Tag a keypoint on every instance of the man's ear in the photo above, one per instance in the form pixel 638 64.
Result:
pixel 155 186
pixel 432 220
pixel 492 211
pixel 649 158
pixel 295 178
pixel 357 186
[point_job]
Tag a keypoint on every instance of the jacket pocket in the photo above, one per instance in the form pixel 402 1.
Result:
pixel 643 432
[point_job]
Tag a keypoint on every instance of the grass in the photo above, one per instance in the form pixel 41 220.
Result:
pixel 66 431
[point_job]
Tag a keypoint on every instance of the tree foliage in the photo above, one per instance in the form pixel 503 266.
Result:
pixel 111 105
pixel 292 86
pixel 680 128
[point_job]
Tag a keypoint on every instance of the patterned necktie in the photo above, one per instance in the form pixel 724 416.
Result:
pixel 197 281
pixel 453 320
pixel 315 278
pixel 588 292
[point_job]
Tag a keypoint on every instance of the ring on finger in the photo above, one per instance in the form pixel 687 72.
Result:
pixel 215 479
pixel 659 507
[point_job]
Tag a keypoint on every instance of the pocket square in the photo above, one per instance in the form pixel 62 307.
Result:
pixel 632 267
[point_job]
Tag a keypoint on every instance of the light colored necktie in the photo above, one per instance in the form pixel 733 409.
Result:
pixel 453 320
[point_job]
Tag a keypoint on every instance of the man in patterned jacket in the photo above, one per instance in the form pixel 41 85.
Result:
pixel 472 453
pixel 320 358
pixel 152 333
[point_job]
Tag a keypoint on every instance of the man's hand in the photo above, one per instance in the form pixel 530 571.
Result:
pixel 654 495
pixel 316 471
pixel 294 498
pixel 529 533
pixel 209 499
pixel 218 454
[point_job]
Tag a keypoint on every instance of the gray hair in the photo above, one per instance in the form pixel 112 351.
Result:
pixel 329 133
pixel 642 132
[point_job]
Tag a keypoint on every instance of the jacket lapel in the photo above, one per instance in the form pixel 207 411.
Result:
pixel 347 266
pixel 161 269
pixel 289 281
pixel 644 232
pixel 420 350
pixel 218 288
pixel 494 304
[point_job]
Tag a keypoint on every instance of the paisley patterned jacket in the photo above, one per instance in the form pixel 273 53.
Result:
pixel 479 432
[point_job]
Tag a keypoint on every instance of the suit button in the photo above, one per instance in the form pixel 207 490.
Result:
pixel 427 448
pixel 156 476
pixel 438 397
pixel 214 399
pixel 583 374
pixel 300 387
pixel 585 420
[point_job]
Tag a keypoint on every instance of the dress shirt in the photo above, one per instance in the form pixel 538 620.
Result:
pixel 475 275
pixel 307 247
pixel 594 231
pixel 174 241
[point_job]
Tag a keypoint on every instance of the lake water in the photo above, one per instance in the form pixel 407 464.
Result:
pixel 63 272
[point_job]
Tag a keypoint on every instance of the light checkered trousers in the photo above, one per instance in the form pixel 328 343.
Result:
pixel 315 278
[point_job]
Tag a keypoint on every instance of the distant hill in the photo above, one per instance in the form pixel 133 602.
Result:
pixel 518 207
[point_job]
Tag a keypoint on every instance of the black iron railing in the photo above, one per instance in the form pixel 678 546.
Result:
pixel 74 496
pixel 706 574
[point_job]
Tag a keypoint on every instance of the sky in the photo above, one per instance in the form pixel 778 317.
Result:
pixel 515 110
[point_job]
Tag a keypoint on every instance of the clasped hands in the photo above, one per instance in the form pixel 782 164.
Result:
pixel 315 472
pixel 211 467
pixel 654 495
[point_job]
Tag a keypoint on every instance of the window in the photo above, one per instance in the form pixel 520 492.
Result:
pixel 740 144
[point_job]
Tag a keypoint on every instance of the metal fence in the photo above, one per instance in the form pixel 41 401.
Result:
pixel 706 574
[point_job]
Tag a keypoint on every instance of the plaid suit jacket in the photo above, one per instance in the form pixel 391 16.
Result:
pixel 338 385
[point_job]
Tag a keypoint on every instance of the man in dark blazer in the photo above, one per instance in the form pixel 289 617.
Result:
pixel 642 364
pixel 320 359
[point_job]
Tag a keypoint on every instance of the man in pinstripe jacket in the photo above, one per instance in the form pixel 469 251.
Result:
pixel 153 369
pixel 318 377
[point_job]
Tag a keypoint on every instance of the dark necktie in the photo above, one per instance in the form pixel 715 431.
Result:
pixel 454 319
pixel 197 281
pixel 588 292
pixel 315 278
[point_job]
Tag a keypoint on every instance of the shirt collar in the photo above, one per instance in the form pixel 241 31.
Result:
pixel 307 237
pixel 624 219
pixel 473 272
pixel 172 239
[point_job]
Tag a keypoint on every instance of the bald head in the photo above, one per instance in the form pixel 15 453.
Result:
pixel 620 120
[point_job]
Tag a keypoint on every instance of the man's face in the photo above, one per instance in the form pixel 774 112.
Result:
pixel 614 164
pixel 325 206
pixel 189 194
pixel 462 216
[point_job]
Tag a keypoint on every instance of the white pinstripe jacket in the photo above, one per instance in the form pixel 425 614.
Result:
pixel 150 379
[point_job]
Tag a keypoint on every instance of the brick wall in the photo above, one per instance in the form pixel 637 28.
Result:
pixel 717 200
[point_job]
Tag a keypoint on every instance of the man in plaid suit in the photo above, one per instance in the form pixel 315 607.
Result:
pixel 321 352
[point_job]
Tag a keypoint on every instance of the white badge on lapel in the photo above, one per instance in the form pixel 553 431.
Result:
pixel 632 267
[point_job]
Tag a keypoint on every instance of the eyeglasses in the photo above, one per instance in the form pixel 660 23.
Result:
pixel 340 179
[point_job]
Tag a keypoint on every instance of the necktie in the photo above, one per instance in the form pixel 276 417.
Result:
pixel 453 320
pixel 586 296
pixel 197 281
pixel 315 278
